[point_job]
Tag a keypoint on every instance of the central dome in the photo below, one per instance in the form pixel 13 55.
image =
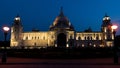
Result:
pixel 61 21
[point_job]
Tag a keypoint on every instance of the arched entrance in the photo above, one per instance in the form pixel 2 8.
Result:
pixel 61 40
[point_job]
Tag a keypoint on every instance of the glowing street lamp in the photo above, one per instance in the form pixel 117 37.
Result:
pixel 114 28
pixel 6 29
pixel 4 56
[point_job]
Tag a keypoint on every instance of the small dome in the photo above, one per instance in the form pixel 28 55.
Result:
pixel 17 18
pixel 106 21
pixel 106 18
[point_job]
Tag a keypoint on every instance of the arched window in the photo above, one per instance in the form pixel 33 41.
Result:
pixel 79 38
pixel 91 38
pixel 52 37
pixel 97 38
pixel 70 36
pixel 35 44
pixel 35 37
pixel 88 38
pixel 32 38
pixel 85 38
pixel 15 37
pixel 27 38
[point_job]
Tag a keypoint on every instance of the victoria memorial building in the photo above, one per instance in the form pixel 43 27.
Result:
pixel 61 33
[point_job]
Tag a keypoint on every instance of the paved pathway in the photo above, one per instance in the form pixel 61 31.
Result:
pixel 59 63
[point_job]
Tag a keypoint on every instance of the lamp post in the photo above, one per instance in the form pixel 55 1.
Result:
pixel 4 55
pixel 115 48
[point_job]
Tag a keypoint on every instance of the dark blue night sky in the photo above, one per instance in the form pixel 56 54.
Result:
pixel 41 13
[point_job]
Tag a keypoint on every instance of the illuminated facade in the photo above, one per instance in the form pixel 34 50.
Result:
pixel 62 34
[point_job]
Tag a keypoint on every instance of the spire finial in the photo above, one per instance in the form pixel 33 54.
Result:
pixel 61 12
pixel 17 15
pixel 106 15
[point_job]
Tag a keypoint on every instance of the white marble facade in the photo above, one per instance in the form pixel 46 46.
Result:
pixel 62 34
